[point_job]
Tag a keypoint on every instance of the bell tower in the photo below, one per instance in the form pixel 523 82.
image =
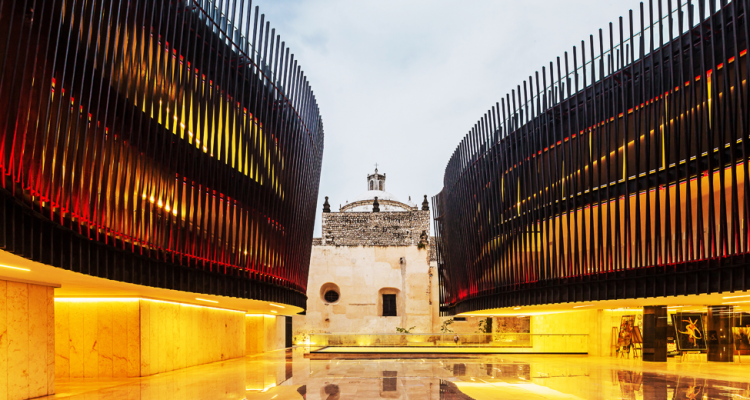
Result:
pixel 376 181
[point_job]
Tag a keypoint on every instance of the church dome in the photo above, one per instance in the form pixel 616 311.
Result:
pixel 376 188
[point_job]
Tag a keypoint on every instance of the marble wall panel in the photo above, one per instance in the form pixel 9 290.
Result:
pixel 3 339
pixel 104 338
pixel 26 341
pixel 37 340
pixel 101 326
pixel 140 337
pixel 75 328
pixel 133 317
pixel 18 340
pixel 145 336
pixel 90 339
pixel 254 334
pixel 51 359
pixel 183 335
pixel 119 319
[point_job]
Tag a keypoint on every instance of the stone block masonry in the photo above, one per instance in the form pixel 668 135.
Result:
pixel 374 229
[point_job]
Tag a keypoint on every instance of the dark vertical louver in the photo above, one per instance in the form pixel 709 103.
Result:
pixel 174 144
pixel 616 173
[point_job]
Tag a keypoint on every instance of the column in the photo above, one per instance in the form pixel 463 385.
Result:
pixel 719 333
pixel 655 333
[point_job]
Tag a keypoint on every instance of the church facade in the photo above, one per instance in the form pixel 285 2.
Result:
pixel 371 271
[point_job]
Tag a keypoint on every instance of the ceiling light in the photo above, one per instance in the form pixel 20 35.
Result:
pixel 206 300
pixel 736 302
pixel 516 308
pixel 274 312
pixel 736 297
pixel 18 268
pixel 588 305
pixel 276 305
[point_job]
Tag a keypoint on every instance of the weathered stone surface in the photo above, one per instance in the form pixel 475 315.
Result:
pixel 374 229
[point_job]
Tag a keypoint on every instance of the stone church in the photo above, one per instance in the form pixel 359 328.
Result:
pixel 371 271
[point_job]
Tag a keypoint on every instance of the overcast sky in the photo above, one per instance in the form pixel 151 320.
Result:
pixel 399 83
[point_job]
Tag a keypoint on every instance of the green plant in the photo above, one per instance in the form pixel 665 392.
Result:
pixel 485 326
pixel 445 327
pixel 421 245
pixel 404 330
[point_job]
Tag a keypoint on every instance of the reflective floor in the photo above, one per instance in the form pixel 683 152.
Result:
pixel 286 374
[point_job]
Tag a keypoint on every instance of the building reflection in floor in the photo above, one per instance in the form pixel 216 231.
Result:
pixel 289 375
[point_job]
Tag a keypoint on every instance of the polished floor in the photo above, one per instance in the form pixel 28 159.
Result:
pixel 287 374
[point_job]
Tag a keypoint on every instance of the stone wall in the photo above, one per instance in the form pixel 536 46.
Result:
pixel 361 274
pixel 374 229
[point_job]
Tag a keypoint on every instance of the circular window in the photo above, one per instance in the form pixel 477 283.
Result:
pixel 331 296
pixel 330 293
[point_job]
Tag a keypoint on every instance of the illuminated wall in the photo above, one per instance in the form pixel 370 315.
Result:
pixel 27 349
pixel 621 177
pixel 264 333
pixel 169 144
pixel 103 338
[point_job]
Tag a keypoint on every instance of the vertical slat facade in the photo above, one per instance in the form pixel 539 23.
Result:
pixel 162 143
pixel 623 177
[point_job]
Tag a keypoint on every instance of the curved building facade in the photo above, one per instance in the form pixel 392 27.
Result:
pixel 175 145
pixel 625 176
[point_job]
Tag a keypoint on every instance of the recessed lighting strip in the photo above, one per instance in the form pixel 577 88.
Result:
pixel 16 268
pixel 104 299
pixel 206 300
pixel 736 302
pixel 736 297
pixel 276 305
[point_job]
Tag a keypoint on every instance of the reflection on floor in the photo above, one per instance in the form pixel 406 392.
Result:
pixel 286 374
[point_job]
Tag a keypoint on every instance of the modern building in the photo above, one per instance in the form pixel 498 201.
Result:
pixel 611 184
pixel 160 168
pixel 371 272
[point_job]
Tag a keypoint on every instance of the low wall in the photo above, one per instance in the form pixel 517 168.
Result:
pixel 102 338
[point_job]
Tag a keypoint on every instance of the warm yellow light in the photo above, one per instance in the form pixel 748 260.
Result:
pixel 276 305
pixel 93 299
pixel 736 297
pixel 159 203
pixel 516 308
pixel 151 199
pixel 174 212
pixel 18 268
pixel 587 305
pixel 274 312
pixel 210 301
pixel 166 207
pixel 736 302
